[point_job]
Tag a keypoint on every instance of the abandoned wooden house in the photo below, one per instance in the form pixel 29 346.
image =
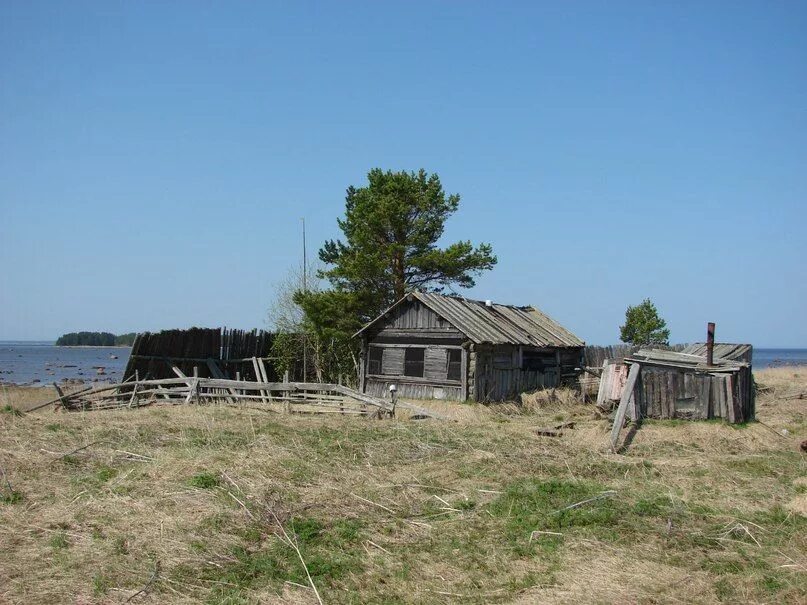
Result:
pixel 432 346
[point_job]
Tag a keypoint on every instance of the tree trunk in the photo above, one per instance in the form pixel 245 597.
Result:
pixel 399 275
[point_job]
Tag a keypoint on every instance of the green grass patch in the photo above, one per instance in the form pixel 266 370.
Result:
pixel 58 541
pixel 534 504
pixel 11 497
pixel 105 473
pixel 9 409
pixel 100 584
pixel 204 480
pixel 332 550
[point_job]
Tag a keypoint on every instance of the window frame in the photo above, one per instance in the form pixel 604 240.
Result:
pixel 408 363
pixel 371 361
pixel 456 363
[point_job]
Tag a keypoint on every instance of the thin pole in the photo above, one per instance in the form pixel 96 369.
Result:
pixel 305 289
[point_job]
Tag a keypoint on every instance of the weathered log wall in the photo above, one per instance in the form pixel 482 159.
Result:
pixel 665 392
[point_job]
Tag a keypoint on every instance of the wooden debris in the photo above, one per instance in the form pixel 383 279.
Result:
pixel 299 397
pixel 148 584
pixel 600 496
pixel 539 533
pixel 554 431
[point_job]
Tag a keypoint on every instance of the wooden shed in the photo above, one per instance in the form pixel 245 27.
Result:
pixel 683 385
pixel 433 346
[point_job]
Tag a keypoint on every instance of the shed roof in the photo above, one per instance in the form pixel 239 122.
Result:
pixel 495 324
pixel 724 350
pixel 684 360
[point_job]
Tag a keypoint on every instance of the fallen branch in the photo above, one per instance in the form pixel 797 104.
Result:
pixel 600 496
pixel 381 548
pixel 543 533
pixel 58 399
pixel 148 584
pixel 296 549
pixel 389 510
pixel 83 447
pixel 133 455
pixel 244 506
pixel 773 430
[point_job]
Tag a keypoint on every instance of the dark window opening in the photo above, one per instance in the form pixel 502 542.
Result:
pixel 535 360
pixel 413 361
pixel 454 371
pixel 375 359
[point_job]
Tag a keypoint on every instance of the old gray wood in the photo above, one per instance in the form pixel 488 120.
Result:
pixel 627 395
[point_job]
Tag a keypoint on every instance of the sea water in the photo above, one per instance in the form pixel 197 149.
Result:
pixel 41 363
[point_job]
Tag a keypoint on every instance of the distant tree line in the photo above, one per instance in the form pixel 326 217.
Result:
pixel 95 339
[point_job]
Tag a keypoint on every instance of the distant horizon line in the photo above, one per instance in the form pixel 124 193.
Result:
pixel 53 342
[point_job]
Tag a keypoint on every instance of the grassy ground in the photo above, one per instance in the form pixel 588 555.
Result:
pixel 195 503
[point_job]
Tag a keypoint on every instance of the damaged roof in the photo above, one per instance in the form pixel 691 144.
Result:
pixel 494 324
pixel 724 350
pixel 684 360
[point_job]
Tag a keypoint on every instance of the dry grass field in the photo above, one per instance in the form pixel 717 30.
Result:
pixel 212 504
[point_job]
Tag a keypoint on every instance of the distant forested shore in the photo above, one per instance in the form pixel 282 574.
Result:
pixel 95 339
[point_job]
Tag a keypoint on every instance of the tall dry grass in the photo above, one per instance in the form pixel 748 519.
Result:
pixel 387 511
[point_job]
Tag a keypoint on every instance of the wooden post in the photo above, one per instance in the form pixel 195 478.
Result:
pixel 627 395
pixel 286 402
pixel 464 373
pixel 60 393
pixel 362 365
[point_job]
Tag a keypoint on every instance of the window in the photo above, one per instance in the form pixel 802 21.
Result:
pixel 374 363
pixel 537 360
pixel 454 360
pixel 413 361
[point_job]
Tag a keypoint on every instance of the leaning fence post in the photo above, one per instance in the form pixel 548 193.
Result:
pixel 286 402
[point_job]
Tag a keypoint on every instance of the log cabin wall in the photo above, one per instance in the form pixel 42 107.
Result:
pixel 439 347
pixel 422 373
pixel 503 372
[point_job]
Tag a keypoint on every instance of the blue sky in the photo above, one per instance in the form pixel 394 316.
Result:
pixel 156 158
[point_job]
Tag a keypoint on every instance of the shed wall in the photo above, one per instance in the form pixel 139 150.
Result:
pixel 664 392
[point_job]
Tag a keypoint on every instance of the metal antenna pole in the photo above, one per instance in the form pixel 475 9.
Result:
pixel 305 289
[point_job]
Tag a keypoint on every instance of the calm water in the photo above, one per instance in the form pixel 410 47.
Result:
pixel 774 358
pixel 29 362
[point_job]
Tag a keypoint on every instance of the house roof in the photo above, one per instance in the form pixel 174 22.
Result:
pixel 497 324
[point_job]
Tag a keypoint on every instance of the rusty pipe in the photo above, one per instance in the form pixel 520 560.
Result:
pixel 710 344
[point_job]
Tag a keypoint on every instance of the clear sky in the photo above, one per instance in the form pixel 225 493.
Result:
pixel 156 158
